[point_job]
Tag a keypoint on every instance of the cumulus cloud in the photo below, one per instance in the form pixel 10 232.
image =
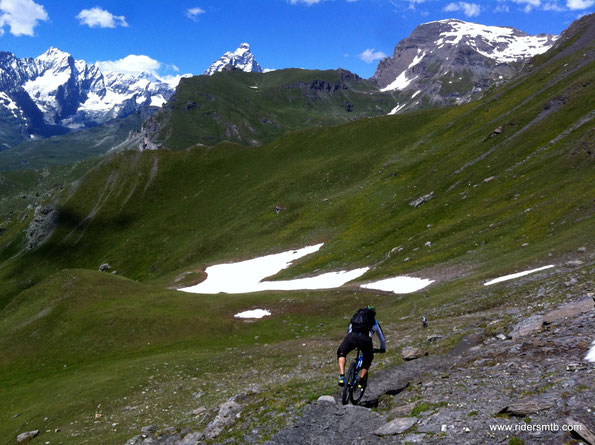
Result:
pixel 132 64
pixel 579 4
pixel 193 13
pixel 469 9
pixel 21 16
pixel 97 17
pixel 369 55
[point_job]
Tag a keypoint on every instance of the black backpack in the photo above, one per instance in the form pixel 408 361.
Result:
pixel 362 321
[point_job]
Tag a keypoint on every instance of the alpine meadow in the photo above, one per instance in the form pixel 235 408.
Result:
pixel 449 165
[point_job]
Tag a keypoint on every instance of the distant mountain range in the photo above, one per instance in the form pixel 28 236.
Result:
pixel 441 63
pixel 450 61
pixel 54 93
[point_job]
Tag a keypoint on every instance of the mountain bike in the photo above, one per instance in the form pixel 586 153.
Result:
pixel 351 392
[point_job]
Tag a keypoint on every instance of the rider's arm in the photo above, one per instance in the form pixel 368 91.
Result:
pixel 378 330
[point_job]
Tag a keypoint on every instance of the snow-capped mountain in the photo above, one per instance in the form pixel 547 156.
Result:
pixel 448 61
pixel 241 59
pixel 54 92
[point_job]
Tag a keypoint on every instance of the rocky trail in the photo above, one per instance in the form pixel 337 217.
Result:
pixel 506 383
pixel 533 378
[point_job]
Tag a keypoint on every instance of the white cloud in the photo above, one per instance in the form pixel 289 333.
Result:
pixel 305 2
pixel 100 18
pixel 21 16
pixel 132 64
pixel 553 6
pixel 136 64
pixel 193 13
pixel 469 9
pixel 369 55
pixel 529 4
pixel 502 8
pixel 579 4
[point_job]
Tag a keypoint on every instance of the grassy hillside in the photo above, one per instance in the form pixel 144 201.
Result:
pixel 511 178
pixel 253 108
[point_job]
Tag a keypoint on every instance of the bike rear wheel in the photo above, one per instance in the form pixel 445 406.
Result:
pixel 350 379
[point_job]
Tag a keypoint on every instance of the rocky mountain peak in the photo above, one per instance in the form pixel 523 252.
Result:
pixel 449 61
pixel 242 58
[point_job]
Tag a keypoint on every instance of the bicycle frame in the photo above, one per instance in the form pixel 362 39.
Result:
pixel 350 387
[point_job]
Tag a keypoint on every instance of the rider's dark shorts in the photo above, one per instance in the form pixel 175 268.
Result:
pixel 361 341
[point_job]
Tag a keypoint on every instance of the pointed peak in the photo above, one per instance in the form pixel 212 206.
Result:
pixel 241 59
pixel 55 52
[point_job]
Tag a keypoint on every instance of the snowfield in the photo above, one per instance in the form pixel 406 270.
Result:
pixel 399 285
pixel 516 275
pixel 247 276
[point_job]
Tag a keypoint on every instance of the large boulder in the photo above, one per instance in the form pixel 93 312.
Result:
pixel 26 437
pixel 528 326
pixel 411 353
pixel 529 405
pixel 570 310
pixel 396 426
pixel 227 414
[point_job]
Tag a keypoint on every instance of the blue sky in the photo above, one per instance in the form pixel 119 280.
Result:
pixel 188 35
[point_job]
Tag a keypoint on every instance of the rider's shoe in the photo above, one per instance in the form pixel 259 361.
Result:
pixel 362 382
pixel 342 380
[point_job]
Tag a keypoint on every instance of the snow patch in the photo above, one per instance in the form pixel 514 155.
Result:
pixel 400 83
pixel 254 313
pixel 505 44
pixel 397 109
pixel 516 275
pixel 416 59
pixel 590 357
pixel 399 285
pixel 247 276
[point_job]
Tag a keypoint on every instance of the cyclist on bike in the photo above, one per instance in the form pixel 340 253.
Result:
pixel 359 335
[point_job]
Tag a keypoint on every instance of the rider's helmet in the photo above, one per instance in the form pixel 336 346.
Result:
pixel 372 308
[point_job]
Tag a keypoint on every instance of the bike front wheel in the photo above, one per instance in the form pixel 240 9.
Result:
pixel 356 394
pixel 349 382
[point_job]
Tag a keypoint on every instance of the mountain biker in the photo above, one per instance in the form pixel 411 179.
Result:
pixel 359 335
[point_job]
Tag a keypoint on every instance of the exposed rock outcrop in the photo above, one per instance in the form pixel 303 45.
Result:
pixel 45 220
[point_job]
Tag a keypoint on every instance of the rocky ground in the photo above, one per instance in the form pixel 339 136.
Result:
pixel 518 378
pixel 532 378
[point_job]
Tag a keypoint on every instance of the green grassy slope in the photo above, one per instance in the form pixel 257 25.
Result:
pixel 252 108
pixel 154 215
pixel 75 341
